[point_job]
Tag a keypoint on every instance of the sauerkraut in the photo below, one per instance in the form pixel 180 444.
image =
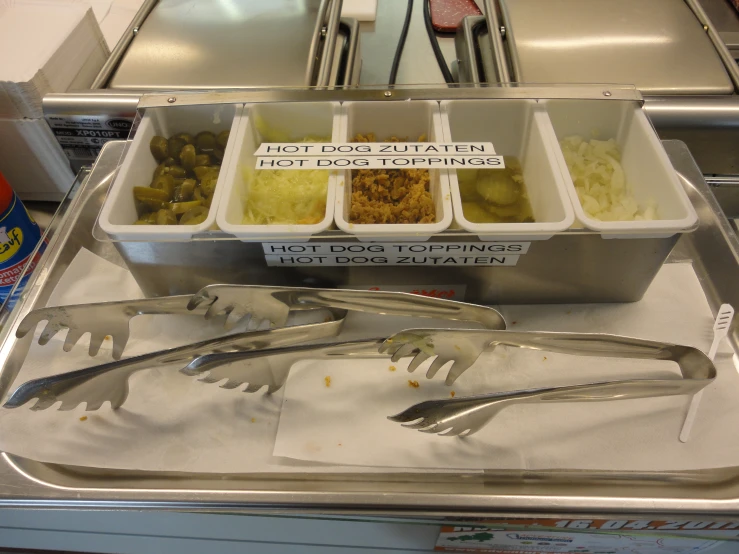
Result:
pixel 600 182
pixel 284 196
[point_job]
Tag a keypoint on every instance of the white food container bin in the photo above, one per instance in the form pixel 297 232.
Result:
pixel 516 128
pixel 646 166
pixel 293 121
pixel 406 120
pixel 120 211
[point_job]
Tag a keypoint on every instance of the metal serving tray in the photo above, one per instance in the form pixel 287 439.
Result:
pixel 712 248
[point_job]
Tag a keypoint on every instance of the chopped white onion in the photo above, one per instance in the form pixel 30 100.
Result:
pixel 600 182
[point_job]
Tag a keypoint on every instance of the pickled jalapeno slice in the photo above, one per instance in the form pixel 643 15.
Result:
pixel 166 217
pixel 194 216
pixel 158 148
pixel 222 139
pixel 184 181
pixel 188 157
pixel 205 141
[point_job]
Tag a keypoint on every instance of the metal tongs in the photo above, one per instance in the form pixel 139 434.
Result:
pixel 465 416
pixel 249 304
pixel 462 347
pixel 109 381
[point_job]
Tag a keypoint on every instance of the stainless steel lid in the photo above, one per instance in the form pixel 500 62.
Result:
pixel 187 44
pixel 657 45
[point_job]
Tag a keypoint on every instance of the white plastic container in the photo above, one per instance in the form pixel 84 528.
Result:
pixel 407 120
pixel 119 210
pixel 295 120
pixel 516 128
pixel 646 166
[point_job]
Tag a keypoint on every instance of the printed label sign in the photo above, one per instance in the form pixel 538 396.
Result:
pixel 290 149
pixel 390 253
pixel 380 162
pixel 82 136
pixel 391 259
pixel 344 248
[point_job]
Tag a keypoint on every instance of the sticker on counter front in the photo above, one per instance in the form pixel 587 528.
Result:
pixel 290 149
pixel 449 254
pixel 387 248
pixel 390 259
pixel 381 162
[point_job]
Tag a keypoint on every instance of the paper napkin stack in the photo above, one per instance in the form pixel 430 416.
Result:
pixel 46 47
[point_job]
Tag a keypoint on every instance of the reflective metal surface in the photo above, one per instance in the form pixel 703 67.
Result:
pixel 207 43
pixel 659 45
pixel 708 125
pixel 496 44
pixel 465 346
pixel 274 304
pixel 726 21
pixel 467 415
pixel 109 382
pixel 712 248
pixel 119 50
pixel 726 191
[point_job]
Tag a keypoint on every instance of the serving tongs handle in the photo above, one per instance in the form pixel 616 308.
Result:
pixel 375 302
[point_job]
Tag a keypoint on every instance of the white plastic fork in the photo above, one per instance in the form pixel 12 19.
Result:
pixel 720 331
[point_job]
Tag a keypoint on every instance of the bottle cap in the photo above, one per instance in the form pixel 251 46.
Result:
pixel 6 194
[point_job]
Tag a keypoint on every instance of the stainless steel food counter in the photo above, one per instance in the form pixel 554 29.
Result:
pixel 423 500
pixel 712 248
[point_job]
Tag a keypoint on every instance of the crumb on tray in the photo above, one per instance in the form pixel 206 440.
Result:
pixel 413 384
pixel 327 380
pixel 392 368
pixel 83 418
pixel 452 393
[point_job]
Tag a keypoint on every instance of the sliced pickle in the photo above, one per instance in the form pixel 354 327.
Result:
pixel 182 207
pixel 187 137
pixel 184 192
pixel 188 157
pixel 202 159
pixel 222 139
pixel 166 184
pixel 149 218
pixel 159 148
pixel 208 184
pixel 205 141
pixel 195 216
pixel 175 146
pixel 166 217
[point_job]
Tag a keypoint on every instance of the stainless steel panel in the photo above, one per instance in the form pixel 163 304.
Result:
pixel 659 46
pixel 726 191
pixel 708 125
pixel 714 252
pixel 726 21
pixel 186 44
pixel 380 37
pixel 573 267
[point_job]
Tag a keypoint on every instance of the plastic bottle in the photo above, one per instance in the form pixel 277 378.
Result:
pixel 19 235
